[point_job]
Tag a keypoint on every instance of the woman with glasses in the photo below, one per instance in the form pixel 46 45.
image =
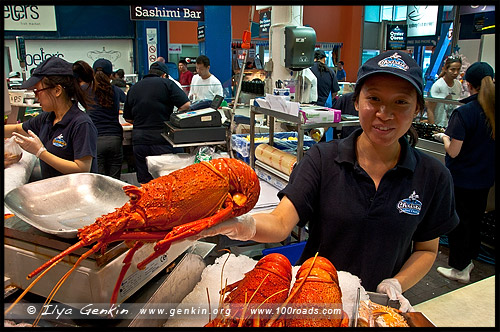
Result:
pixel 446 87
pixel 62 136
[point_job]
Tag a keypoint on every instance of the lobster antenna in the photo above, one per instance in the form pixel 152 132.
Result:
pixel 245 307
pixel 56 258
pixel 30 286
pixel 209 308
pixel 61 281
pixel 292 295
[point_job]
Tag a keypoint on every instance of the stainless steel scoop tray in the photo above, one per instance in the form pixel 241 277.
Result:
pixel 61 205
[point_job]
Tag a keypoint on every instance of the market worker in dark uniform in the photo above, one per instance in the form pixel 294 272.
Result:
pixel 105 115
pixel 150 102
pixel 376 206
pixel 327 82
pixel 469 141
pixel 63 137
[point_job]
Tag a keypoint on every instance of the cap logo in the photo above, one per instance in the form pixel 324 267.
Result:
pixel 394 61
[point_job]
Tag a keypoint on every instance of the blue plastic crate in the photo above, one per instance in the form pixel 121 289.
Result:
pixel 291 251
pixel 242 146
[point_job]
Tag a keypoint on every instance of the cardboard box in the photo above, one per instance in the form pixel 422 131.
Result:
pixel 323 115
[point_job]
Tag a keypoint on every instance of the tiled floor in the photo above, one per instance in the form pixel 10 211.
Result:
pixel 433 284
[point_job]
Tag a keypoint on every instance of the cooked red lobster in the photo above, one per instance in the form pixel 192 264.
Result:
pixel 167 209
pixel 315 299
pixel 266 284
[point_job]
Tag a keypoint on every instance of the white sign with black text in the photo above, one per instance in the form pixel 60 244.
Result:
pixel 29 18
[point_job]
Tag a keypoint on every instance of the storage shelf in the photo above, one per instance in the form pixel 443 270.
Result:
pixel 301 127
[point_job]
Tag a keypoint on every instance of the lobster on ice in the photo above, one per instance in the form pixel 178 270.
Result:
pixel 167 209
pixel 267 283
pixel 316 287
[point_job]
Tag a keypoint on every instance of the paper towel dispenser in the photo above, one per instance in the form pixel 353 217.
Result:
pixel 300 42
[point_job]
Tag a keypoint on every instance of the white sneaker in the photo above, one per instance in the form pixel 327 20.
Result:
pixel 454 274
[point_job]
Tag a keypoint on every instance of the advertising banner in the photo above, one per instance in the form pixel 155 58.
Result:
pixel 396 37
pixel 118 51
pixel 264 22
pixel 422 20
pixel 167 13
pixel 29 18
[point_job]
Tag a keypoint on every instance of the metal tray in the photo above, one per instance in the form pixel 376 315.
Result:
pixel 63 204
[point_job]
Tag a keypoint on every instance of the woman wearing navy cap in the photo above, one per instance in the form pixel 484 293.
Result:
pixel 469 141
pixel 374 204
pixel 63 137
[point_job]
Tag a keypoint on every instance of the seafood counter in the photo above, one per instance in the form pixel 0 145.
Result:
pixel 153 227
pixel 267 293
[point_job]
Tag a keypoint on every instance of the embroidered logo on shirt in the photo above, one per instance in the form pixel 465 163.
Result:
pixel 410 205
pixel 394 61
pixel 59 141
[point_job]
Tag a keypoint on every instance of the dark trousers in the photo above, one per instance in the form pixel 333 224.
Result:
pixel 465 240
pixel 109 156
pixel 142 151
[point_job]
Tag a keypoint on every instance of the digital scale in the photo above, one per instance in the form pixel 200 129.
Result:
pixel 93 281
pixel 197 125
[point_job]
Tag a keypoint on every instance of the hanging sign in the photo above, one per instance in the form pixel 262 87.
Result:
pixel 422 20
pixel 167 13
pixel 29 18
pixel 201 33
pixel 396 37
pixel 264 22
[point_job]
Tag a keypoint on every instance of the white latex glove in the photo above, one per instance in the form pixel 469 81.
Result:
pixel 31 143
pixel 439 136
pixel 393 289
pixel 241 228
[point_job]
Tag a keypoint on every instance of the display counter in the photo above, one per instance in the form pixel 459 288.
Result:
pixel 470 306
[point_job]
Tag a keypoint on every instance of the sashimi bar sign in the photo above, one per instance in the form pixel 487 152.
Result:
pixel 167 13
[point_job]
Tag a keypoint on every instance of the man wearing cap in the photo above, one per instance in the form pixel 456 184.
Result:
pixel 62 136
pixel 327 82
pixel 150 102
pixel 375 206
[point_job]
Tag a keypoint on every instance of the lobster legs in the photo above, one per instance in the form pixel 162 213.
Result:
pixel 187 230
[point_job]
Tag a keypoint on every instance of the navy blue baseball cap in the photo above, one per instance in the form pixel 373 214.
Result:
pixel 159 66
pixel 396 63
pixel 477 71
pixel 53 66
pixel 104 64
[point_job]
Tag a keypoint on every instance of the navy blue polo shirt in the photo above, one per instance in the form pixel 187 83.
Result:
pixel 74 137
pixel 107 120
pixel 150 102
pixel 474 166
pixel 361 230
pixel 327 82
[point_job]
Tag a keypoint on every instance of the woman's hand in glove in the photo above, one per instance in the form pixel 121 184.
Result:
pixel 241 228
pixel 439 136
pixel 393 289
pixel 31 144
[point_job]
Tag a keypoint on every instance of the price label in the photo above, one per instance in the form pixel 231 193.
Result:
pixel 16 97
